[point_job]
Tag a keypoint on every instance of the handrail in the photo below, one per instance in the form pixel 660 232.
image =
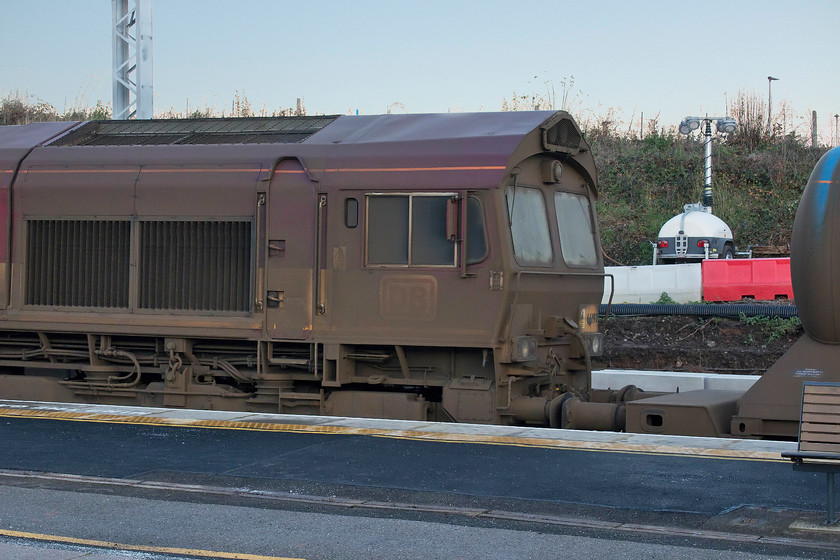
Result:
pixel 261 251
pixel 320 303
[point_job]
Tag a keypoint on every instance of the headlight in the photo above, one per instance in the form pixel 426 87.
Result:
pixel 596 344
pixel 523 349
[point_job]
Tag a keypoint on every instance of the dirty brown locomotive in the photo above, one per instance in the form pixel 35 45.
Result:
pixel 441 267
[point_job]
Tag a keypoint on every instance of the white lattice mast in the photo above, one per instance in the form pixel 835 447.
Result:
pixel 132 42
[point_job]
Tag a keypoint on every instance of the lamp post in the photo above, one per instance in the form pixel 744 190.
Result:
pixel 724 125
pixel 770 80
pixel 836 130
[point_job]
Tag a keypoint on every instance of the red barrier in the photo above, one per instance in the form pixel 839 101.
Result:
pixel 735 279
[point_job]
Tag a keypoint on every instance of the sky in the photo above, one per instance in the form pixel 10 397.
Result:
pixel 625 61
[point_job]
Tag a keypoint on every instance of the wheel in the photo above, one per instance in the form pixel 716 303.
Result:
pixel 728 252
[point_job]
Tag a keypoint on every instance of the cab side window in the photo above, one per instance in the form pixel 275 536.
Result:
pixel 408 230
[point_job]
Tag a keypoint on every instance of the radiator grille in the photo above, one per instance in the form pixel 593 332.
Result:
pixel 77 263
pixel 195 266
pixel 564 135
pixel 156 132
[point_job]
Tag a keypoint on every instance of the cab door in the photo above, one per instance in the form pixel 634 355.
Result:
pixel 290 254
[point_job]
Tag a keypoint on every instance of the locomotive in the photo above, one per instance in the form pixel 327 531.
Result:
pixel 426 267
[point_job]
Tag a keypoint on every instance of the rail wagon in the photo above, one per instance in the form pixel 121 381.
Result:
pixel 441 266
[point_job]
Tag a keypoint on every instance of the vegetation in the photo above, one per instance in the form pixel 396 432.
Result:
pixel 666 299
pixel 759 171
pixel 774 328
pixel 19 108
pixel 758 175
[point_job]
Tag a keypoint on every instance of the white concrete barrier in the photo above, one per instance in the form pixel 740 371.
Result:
pixel 645 284
pixel 670 381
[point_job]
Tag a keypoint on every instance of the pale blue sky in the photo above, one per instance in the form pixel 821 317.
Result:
pixel 665 58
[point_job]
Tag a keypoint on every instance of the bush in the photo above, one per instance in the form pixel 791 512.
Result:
pixel 645 182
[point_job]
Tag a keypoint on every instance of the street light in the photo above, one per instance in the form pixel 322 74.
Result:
pixel 724 125
pixel 689 124
pixel 770 80
pixel 836 130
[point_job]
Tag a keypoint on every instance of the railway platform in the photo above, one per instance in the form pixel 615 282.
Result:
pixel 62 462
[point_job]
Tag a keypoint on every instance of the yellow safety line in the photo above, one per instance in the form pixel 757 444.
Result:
pixel 141 548
pixel 413 435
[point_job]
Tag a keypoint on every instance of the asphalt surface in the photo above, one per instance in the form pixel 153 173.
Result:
pixel 625 480
pixel 311 488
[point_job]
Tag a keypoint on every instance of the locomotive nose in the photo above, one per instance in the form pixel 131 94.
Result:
pixel 814 271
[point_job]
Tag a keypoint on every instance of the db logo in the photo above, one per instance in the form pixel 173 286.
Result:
pixel 408 298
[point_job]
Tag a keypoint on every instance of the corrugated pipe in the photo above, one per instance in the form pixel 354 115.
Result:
pixel 702 310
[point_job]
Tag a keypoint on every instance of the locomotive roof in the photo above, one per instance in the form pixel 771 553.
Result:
pixel 484 145
pixel 302 129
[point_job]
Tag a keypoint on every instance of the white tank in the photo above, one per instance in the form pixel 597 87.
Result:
pixel 696 224
pixel 695 234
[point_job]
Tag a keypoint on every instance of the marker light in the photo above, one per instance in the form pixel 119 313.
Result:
pixel 524 349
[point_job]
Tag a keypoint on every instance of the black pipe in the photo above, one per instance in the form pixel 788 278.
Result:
pixel 702 310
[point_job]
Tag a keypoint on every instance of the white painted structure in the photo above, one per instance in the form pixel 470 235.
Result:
pixel 132 60
pixel 670 381
pixel 645 284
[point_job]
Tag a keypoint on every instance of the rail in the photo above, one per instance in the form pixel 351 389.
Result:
pixel 819 436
